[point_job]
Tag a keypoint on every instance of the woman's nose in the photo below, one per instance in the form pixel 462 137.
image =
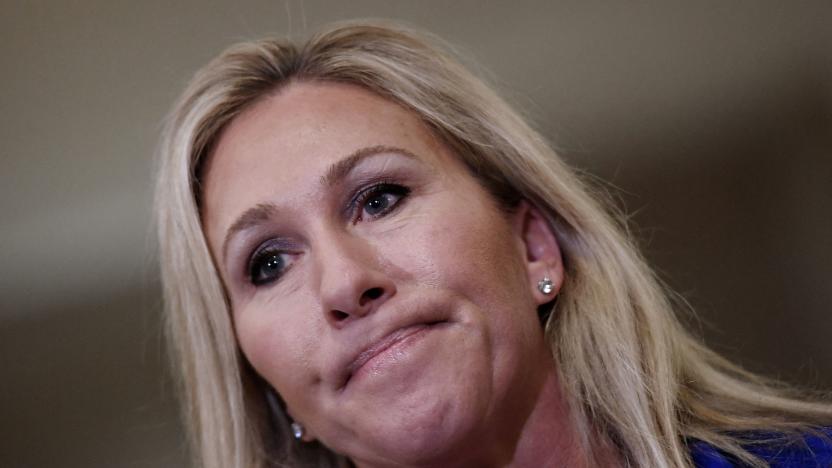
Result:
pixel 352 282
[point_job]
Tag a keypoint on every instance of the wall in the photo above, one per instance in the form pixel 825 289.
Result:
pixel 712 120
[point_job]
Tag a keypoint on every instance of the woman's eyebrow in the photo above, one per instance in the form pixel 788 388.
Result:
pixel 251 217
pixel 336 172
pixel 340 169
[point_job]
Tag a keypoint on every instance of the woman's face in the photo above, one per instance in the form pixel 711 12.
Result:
pixel 373 282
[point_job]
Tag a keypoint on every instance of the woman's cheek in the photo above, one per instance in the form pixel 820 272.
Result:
pixel 265 344
pixel 253 338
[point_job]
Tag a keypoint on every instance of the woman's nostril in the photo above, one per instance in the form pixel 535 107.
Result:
pixel 373 293
pixel 362 308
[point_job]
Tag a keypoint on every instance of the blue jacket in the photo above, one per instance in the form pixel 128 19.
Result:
pixel 814 451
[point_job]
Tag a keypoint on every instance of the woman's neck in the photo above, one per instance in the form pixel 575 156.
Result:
pixel 550 436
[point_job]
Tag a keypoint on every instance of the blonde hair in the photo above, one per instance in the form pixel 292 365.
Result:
pixel 635 378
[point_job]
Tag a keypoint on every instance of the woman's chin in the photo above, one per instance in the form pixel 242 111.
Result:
pixel 423 422
pixel 423 439
pixel 430 398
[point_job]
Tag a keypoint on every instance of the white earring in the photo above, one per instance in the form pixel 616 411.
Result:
pixel 297 430
pixel 545 285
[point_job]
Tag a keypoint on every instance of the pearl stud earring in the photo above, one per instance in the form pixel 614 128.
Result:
pixel 545 285
pixel 297 430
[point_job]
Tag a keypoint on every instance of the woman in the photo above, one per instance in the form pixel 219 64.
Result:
pixel 369 259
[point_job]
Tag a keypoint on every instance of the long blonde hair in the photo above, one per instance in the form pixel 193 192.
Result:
pixel 634 377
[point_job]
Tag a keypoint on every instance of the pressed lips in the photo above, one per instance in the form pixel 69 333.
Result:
pixel 397 338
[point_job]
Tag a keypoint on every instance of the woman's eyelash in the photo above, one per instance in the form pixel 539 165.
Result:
pixel 270 261
pixel 377 200
pixel 267 264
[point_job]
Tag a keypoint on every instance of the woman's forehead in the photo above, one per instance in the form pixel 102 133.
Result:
pixel 309 125
pixel 282 145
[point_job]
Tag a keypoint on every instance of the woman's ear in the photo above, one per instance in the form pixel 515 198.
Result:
pixel 543 261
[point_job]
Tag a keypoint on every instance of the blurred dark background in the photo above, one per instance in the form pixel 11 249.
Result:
pixel 711 123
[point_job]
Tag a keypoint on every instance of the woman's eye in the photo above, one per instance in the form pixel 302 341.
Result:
pixel 380 200
pixel 267 266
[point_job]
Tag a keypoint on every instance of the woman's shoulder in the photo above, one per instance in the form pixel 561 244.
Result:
pixel 810 450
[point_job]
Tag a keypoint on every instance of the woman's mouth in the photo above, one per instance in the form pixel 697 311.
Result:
pixel 387 351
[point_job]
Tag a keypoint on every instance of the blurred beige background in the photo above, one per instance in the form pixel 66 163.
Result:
pixel 712 119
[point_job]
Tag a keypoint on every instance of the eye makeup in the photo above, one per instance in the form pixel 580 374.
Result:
pixel 378 199
pixel 375 189
pixel 270 261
